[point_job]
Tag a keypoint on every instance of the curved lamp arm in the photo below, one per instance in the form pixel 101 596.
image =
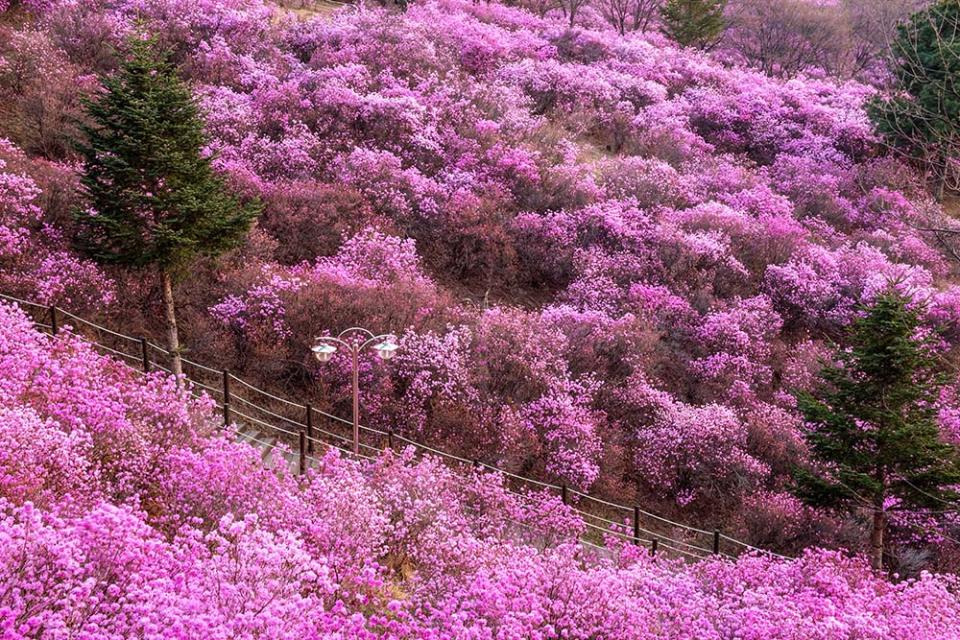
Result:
pixel 350 330
pixel 386 344
pixel 342 343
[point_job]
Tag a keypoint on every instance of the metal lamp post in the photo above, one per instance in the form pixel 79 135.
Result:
pixel 355 340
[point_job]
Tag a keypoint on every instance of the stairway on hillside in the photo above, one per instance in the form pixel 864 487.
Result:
pixel 272 452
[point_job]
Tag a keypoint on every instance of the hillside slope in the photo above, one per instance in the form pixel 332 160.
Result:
pixel 611 262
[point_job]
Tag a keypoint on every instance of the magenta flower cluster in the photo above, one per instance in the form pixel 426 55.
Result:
pixel 35 257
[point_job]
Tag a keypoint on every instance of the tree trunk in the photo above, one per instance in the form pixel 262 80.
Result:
pixel 939 185
pixel 876 538
pixel 173 338
pixel 940 169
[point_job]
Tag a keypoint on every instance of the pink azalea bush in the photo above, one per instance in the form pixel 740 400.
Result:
pixel 35 257
pixel 125 513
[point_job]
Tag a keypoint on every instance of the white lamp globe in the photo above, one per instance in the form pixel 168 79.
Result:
pixel 323 351
pixel 386 349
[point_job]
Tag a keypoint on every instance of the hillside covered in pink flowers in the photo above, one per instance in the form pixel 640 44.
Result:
pixel 610 263
pixel 124 514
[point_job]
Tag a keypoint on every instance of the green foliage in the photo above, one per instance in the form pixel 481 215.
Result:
pixel 874 421
pixel 694 23
pixel 922 119
pixel 155 198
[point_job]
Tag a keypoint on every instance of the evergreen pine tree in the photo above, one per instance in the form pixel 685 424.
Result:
pixel 921 119
pixel 154 200
pixel 694 23
pixel 874 433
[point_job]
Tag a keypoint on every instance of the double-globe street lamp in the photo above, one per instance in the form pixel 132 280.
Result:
pixel 355 340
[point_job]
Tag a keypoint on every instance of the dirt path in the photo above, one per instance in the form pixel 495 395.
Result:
pixel 313 8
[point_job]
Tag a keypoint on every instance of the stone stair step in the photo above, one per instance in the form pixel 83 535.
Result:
pixel 293 461
pixel 267 446
pixel 248 435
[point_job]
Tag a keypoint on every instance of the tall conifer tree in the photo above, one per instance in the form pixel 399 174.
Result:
pixel 154 200
pixel 694 23
pixel 921 118
pixel 874 441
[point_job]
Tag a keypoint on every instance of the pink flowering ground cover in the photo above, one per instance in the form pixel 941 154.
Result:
pixel 124 513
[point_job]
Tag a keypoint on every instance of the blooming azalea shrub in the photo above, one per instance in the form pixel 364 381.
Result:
pixel 314 219
pixel 41 89
pixel 40 462
pixel 201 539
pixel 120 427
pixel 35 257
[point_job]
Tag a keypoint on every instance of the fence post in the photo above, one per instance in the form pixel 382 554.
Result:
pixel 309 428
pixel 563 494
pixel 145 354
pixel 303 452
pixel 390 438
pixel 636 525
pixel 54 325
pixel 716 541
pixel 653 546
pixel 226 397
